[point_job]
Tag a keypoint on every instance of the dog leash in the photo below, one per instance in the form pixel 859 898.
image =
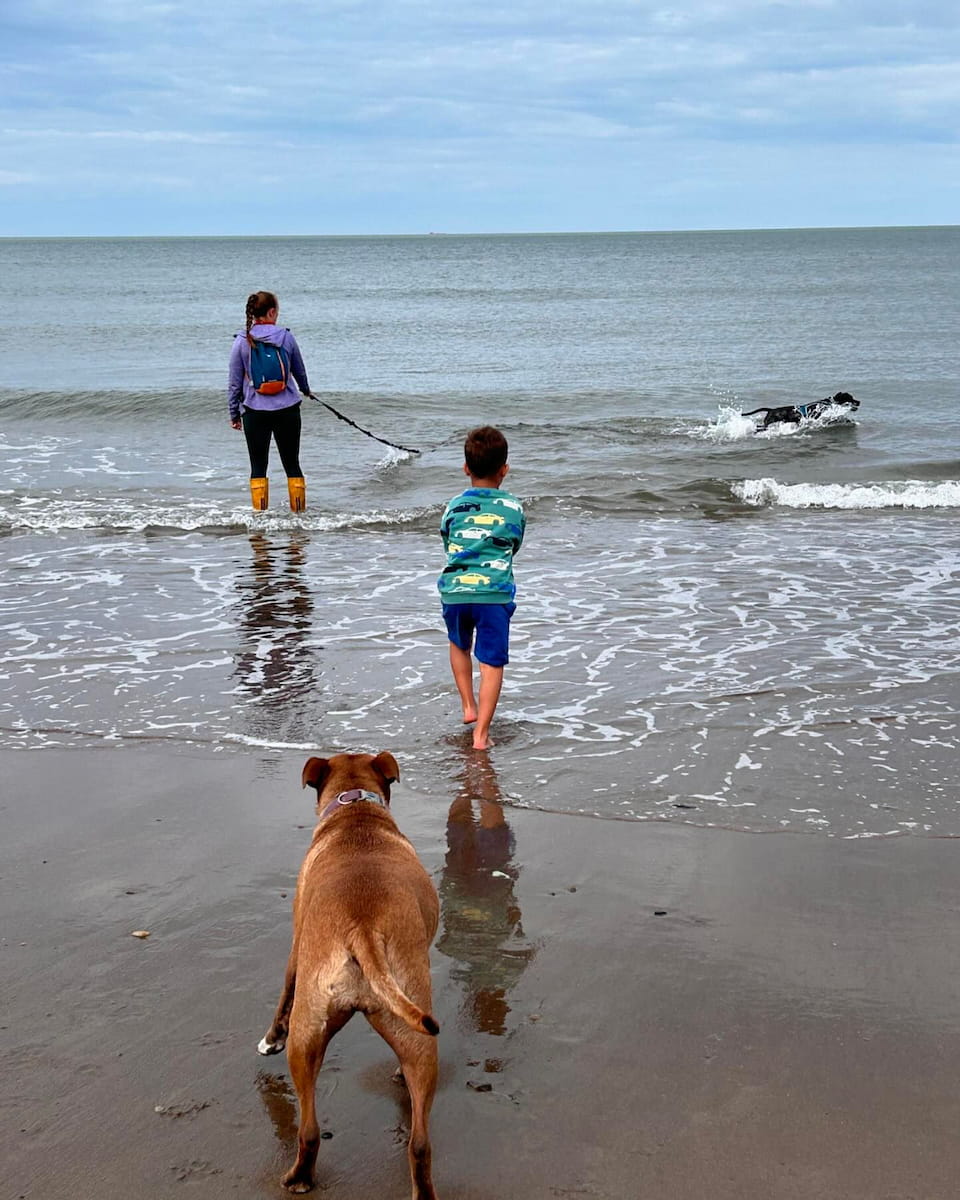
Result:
pixel 340 416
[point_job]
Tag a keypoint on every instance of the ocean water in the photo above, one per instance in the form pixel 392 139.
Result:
pixel 715 626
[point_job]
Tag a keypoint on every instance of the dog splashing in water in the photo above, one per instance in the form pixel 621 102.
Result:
pixel 793 414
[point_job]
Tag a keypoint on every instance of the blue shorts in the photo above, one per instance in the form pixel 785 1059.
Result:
pixel 492 625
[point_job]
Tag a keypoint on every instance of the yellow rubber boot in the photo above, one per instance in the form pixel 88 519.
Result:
pixel 260 494
pixel 297 487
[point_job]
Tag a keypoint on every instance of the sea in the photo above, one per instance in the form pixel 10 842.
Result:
pixel 716 625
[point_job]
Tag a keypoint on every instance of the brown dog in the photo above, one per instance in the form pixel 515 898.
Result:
pixel 364 915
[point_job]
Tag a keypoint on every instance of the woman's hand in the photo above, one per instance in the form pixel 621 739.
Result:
pixel 236 424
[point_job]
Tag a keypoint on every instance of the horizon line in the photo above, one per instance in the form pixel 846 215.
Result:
pixel 457 234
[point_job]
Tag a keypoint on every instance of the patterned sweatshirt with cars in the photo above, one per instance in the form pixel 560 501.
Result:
pixel 482 529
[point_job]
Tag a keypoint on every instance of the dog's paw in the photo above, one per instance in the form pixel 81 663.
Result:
pixel 297 1181
pixel 265 1047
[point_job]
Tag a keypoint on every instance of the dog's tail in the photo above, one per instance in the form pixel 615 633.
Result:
pixel 753 412
pixel 369 953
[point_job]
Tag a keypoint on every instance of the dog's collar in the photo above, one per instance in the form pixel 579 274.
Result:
pixel 356 794
pixel 352 797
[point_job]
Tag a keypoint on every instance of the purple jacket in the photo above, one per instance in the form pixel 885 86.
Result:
pixel 239 387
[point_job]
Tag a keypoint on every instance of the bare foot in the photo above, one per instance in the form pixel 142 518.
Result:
pixel 469 716
pixel 482 742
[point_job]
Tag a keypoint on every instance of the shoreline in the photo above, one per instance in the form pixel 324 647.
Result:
pixel 658 1009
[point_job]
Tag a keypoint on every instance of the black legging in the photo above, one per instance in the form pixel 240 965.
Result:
pixel 284 424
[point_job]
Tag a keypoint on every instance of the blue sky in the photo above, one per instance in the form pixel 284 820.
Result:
pixel 355 116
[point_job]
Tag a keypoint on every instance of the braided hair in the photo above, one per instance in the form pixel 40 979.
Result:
pixel 258 305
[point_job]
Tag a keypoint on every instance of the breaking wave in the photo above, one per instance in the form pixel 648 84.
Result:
pixel 127 516
pixel 913 494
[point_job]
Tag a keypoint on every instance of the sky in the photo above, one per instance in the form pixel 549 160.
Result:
pixel 134 117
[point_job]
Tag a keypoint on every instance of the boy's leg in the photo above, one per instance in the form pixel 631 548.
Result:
pixel 458 619
pixel 491 681
pixel 492 651
pixel 462 666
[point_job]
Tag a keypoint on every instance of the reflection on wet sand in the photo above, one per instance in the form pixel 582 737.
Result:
pixel 480 917
pixel 280 1104
pixel 280 1101
pixel 276 610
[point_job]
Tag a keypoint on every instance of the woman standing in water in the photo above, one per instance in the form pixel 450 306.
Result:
pixel 272 408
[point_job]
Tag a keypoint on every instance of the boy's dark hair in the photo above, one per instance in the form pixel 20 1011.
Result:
pixel 484 451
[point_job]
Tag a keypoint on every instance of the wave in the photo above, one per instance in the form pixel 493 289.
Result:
pixel 114 403
pixel 913 493
pixel 56 516
pixel 140 403
pixel 616 421
pixel 705 497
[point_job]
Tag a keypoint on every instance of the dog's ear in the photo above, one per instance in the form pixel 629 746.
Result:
pixel 386 764
pixel 315 772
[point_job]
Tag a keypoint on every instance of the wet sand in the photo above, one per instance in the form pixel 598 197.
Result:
pixel 658 1011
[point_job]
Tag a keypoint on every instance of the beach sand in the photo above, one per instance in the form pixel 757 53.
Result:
pixel 786 1027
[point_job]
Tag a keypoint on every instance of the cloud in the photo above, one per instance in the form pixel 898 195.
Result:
pixel 430 101
pixel 147 136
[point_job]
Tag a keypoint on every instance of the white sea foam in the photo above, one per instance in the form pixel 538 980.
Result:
pixel 833 414
pixel 267 743
pixel 905 494
pixel 393 458
pixel 731 426
pixel 47 515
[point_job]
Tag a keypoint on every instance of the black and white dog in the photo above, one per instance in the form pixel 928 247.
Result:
pixel 793 414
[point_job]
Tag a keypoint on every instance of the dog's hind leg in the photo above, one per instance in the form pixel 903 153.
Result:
pixel 417 1054
pixel 305 1058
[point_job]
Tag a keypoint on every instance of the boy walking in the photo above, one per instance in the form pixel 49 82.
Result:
pixel 482 529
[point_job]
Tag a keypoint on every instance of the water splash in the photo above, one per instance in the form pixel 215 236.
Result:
pixel 731 426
